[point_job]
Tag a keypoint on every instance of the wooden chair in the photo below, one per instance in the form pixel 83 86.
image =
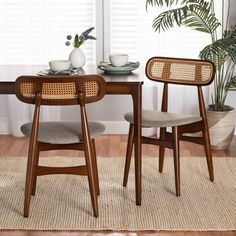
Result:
pixel 45 136
pixel 189 72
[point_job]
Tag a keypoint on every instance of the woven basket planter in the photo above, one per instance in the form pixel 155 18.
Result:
pixel 221 126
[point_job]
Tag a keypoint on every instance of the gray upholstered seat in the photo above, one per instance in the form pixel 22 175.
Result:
pixel 62 132
pixel 163 119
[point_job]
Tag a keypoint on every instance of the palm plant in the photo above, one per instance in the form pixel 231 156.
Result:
pixel 200 15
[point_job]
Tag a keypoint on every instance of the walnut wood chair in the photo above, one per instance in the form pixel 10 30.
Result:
pixel 45 136
pixel 182 72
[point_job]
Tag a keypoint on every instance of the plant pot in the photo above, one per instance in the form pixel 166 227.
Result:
pixel 77 58
pixel 221 128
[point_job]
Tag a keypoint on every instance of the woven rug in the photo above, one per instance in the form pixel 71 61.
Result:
pixel 62 202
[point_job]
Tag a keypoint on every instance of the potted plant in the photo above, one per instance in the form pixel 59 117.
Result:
pixel 77 57
pixel 200 15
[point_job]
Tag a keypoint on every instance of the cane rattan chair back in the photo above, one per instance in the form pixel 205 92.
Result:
pixel 179 71
pixel 60 90
pixel 45 136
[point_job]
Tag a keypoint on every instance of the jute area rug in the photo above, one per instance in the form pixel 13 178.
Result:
pixel 62 202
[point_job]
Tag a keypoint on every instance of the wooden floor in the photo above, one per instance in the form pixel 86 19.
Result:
pixel 111 146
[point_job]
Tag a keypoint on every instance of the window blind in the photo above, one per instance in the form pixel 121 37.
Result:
pixel 34 31
pixel 131 32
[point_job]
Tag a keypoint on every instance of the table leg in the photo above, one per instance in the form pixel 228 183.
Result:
pixel 137 104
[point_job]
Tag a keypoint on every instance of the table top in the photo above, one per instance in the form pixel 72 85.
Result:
pixel 9 73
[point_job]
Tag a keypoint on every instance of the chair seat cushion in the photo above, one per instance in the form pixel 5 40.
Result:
pixel 62 132
pixel 163 119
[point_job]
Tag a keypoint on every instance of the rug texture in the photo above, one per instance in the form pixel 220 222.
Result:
pixel 62 202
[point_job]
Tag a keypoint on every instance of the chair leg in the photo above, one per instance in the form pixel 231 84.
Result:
pixel 176 159
pixel 161 150
pixel 91 177
pixel 35 176
pixel 207 147
pixel 128 154
pixel 29 177
pixel 94 159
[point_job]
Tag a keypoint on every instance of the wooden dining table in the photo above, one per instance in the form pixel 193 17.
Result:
pixel 116 84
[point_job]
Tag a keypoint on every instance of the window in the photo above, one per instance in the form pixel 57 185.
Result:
pixel 34 32
pixel 131 32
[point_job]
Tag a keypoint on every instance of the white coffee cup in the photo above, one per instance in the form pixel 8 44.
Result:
pixel 58 65
pixel 118 59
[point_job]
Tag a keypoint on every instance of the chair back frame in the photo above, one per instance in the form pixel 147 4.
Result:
pixel 60 90
pixel 166 77
pixel 180 71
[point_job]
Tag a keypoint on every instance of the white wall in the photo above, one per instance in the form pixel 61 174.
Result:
pixel 111 110
pixel 3 115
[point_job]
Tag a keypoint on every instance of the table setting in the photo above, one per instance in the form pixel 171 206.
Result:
pixel 60 67
pixel 118 64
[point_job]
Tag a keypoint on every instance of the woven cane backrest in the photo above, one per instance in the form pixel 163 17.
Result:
pixel 180 71
pixel 60 90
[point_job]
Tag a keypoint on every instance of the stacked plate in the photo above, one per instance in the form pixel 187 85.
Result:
pixel 62 72
pixel 126 69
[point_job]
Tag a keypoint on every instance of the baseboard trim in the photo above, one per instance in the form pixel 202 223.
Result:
pixel 4 126
pixel 122 127
pixel 112 127
pixel 116 127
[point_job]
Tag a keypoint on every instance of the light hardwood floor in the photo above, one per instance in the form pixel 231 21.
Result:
pixel 110 146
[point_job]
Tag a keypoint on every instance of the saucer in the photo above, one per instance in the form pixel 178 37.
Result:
pixel 110 69
pixel 59 73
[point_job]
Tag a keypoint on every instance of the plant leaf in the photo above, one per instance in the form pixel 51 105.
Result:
pixel 194 15
pixel 232 84
pixel 200 18
pixel 220 51
pixel 86 32
pixel 168 19
pixel 161 3
pixel 91 37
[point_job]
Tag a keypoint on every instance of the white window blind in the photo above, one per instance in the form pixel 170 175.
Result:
pixel 34 31
pixel 131 32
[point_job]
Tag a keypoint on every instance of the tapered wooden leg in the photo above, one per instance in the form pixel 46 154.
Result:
pixel 94 158
pixel 31 157
pixel 88 150
pixel 137 113
pixel 161 150
pixel 128 154
pixel 205 132
pixel 29 178
pixel 207 146
pixel 91 179
pixel 176 159
pixel 34 174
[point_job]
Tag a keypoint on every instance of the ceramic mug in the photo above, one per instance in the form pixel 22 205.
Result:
pixel 59 65
pixel 118 59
